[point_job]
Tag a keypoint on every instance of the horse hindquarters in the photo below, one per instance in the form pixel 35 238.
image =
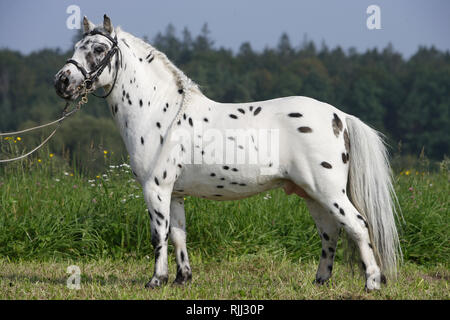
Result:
pixel 369 210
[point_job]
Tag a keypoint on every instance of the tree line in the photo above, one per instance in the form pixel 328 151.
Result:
pixel 406 99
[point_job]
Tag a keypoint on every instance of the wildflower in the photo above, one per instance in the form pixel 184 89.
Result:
pixel 71 174
pixel 50 155
pixel 105 152
pixel 39 160
pixel 411 189
pixel 407 172
pixel 57 180
pixel 75 186
pixel 66 173
pixel 19 138
pixel 98 177
pixel 94 200
pixel 267 196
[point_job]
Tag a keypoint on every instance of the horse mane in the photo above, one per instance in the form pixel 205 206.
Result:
pixel 182 81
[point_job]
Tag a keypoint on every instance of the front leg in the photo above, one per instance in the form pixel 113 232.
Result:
pixel 158 202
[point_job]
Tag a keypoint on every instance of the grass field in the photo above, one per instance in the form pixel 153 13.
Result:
pixel 264 247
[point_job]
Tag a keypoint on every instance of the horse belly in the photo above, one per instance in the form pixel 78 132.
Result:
pixel 215 183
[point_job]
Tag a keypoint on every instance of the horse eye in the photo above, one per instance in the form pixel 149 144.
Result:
pixel 99 49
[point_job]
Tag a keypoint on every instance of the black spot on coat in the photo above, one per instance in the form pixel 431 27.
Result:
pixel 305 129
pixel 326 165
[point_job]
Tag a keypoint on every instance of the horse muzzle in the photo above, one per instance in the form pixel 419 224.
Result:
pixel 66 86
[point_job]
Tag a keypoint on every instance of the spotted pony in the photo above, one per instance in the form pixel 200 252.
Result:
pixel 338 164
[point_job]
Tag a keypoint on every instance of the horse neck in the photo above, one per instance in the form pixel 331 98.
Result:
pixel 145 77
pixel 147 98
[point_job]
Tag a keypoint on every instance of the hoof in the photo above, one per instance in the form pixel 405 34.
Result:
pixel 183 278
pixel 320 281
pixel 374 282
pixel 156 282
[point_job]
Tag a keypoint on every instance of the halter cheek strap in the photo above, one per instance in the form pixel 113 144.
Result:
pixel 92 76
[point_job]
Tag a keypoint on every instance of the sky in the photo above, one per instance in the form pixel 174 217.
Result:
pixel 30 25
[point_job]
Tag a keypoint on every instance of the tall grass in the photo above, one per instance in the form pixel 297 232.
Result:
pixel 48 211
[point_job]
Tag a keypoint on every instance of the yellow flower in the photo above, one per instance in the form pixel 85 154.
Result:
pixel 51 155
pixel 105 152
pixel 39 160
pixel 407 172
pixel 19 138
pixel 98 177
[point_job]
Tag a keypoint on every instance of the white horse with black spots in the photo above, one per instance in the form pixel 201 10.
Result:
pixel 330 158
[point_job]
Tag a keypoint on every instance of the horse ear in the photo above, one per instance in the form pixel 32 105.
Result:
pixel 107 25
pixel 88 26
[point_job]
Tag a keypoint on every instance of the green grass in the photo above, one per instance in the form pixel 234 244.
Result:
pixel 261 276
pixel 264 247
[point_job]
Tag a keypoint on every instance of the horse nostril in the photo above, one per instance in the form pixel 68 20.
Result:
pixel 61 83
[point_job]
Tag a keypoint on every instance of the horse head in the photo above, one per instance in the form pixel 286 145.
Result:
pixel 93 55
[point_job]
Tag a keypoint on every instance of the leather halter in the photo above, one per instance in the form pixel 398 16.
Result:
pixel 92 76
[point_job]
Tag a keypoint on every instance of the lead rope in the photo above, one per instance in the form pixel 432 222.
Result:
pixel 65 115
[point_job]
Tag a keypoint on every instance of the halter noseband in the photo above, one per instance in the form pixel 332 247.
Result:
pixel 92 76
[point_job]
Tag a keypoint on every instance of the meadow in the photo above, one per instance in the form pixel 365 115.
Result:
pixel 264 247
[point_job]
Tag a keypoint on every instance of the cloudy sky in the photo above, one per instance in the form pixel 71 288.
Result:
pixel 28 25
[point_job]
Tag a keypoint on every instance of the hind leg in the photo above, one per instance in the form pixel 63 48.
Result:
pixel 329 234
pixel 346 215
pixel 328 193
pixel 178 238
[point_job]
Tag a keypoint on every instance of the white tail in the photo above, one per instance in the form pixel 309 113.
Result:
pixel 372 193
